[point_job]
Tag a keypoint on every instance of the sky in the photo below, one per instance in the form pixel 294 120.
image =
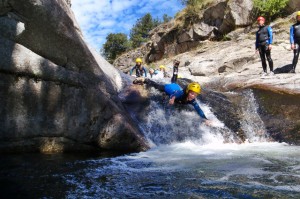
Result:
pixel 98 18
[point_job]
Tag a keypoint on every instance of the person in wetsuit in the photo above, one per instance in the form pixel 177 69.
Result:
pixel 177 94
pixel 140 71
pixel 263 44
pixel 295 41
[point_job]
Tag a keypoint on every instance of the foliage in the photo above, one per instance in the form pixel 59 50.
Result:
pixel 115 45
pixel 270 9
pixel 192 11
pixel 139 32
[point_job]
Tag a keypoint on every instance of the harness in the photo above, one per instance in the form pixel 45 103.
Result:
pixel 263 35
pixel 139 72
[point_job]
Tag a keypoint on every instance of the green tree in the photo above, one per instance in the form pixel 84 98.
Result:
pixel 115 45
pixel 140 31
pixel 270 9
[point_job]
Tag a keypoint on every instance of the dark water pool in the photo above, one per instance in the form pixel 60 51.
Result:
pixel 184 170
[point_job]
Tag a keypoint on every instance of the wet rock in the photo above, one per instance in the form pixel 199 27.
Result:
pixel 280 113
pixel 53 86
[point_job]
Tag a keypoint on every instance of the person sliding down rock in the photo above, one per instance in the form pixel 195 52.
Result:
pixel 177 94
pixel 263 44
pixel 295 41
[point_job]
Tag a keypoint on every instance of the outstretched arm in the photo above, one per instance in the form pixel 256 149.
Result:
pixel 199 110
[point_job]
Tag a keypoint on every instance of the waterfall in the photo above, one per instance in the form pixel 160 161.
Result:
pixel 163 124
pixel 251 122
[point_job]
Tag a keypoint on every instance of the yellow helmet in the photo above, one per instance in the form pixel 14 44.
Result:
pixel 138 60
pixel 298 14
pixel 162 66
pixel 194 86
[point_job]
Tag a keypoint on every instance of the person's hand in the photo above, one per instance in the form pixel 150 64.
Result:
pixel 292 46
pixel 208 122
pixel 256 51
pixel 172 100
pixel 270 47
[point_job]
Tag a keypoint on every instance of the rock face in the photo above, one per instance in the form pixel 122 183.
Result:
pixel 55 93
pixel 280 115
pixel 217 20
pixel 294 5
pixel 233 66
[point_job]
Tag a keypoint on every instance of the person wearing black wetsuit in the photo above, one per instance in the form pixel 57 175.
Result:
pixel 177 94
pixel 295 41
pixel 140 71
pixel 263 44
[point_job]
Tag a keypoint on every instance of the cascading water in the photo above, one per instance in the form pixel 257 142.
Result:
pixel 187 160
pixel 166 124
pixel 251 122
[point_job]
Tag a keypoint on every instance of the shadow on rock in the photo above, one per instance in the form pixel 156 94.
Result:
pixel 284 69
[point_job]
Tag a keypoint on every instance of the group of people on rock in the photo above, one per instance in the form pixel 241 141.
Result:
pixel 264 40
pixel 141 71
pixel 188 95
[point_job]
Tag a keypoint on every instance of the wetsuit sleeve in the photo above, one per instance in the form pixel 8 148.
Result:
pixel 292 40
pixel 270 32
pixel 198 109
pixel 145 71
pixel 132 70
pixel 256 41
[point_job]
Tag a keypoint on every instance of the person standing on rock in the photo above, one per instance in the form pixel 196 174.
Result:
pixel 263 44
pixel 295 41
pixel 140 71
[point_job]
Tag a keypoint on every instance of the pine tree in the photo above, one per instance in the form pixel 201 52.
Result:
pixel 140 31
pixel 115 45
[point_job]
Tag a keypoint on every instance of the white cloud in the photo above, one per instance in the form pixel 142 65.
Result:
pixel 98 18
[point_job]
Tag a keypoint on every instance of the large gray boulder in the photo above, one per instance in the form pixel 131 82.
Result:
pixel 55 93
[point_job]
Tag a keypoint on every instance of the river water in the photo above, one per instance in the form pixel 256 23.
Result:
pixel 187 160
pixel 179 170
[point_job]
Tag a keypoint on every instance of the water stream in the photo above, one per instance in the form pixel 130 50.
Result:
pixel 187 160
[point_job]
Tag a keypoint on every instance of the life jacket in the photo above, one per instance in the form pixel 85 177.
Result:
pixel 263 35
pixel 297 32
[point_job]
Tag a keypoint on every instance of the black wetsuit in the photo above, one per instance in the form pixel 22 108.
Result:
pixel 295 39
pixel 264 38
pixel 140 71
pixel 174 89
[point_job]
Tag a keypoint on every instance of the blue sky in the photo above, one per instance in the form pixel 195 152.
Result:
pixel 98 18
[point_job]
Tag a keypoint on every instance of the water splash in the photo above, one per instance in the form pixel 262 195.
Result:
pixel 251 122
